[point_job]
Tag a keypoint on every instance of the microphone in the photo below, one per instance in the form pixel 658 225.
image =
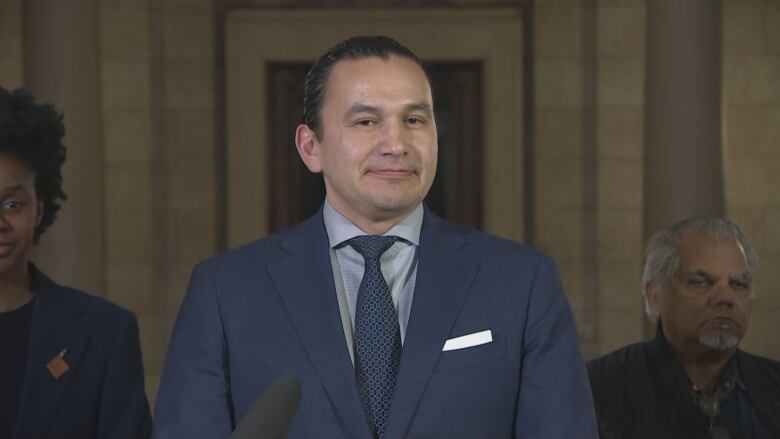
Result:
pixel 271 415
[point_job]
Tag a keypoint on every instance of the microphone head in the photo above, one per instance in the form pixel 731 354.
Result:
pixel 272 414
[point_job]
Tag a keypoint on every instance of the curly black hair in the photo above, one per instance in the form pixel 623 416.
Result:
pixel 32 133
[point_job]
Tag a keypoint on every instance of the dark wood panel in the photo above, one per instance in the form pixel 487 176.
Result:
pixel 294 192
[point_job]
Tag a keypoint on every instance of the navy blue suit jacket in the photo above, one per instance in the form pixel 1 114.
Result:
pixel 101 395
pixel 270 308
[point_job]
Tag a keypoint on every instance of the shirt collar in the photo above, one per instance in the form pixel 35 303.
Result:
pixel 341 229
pixel 732 371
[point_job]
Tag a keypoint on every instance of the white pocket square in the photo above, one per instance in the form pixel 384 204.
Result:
pixel 467 341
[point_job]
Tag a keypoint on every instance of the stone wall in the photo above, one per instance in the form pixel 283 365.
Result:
pixel 589 110
pixel 159 137
pixel 751 112
pixel 565 172
pixel 10 43
pixel 157 123
pixel 620 128
pixel 162 151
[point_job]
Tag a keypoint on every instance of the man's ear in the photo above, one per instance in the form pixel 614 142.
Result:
pixel 308 146
pixel 652 302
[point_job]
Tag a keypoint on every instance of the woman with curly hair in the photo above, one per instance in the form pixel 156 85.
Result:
pixel 71 362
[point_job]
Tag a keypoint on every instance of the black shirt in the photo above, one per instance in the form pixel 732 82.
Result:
pixel 642 392
pixel 738 413
pixel 14 340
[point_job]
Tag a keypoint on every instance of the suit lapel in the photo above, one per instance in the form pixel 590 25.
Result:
pixel 54 329
pixel 444 275
pixel 304 282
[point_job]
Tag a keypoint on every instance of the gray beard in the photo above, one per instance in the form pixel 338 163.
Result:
pixel 719 342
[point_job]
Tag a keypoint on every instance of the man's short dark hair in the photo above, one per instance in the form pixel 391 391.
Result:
pixel 32 134
pixel 354 48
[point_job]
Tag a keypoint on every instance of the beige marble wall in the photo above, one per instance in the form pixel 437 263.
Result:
pixel 189 143
pixel 158 114
pixel 61 67
pixel 126 63
pixel 558 127
pixel 751 111
pixel 607 307
pixel 158 117
pixel 620 128
pixel 10 43
pixel 751 94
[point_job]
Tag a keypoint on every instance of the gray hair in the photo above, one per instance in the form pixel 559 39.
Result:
pixel 662 253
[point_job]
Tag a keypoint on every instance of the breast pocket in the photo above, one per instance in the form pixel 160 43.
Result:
pixel 473 355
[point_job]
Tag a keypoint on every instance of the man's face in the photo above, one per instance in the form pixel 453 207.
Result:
pixel 707 303
pixel 378 145
pixel 20 213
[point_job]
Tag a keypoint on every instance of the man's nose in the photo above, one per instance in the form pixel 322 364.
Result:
pixel 394 139
pixel 723 295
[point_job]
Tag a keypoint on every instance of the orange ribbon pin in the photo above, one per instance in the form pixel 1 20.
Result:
pixel 57 365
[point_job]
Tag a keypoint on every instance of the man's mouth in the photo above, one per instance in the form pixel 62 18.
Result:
pixel 723 323
pixel 391 173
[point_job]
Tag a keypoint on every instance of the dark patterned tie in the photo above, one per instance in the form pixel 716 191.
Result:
pixel 377 336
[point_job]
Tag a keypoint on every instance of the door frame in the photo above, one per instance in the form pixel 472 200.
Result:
pixel 255 37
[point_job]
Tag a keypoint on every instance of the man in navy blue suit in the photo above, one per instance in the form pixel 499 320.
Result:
pixel 70 363
pixel 396 322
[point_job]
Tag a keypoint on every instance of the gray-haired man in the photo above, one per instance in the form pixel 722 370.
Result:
pixel 692 380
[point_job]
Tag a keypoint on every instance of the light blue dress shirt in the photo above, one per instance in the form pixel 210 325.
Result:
pixel 399 266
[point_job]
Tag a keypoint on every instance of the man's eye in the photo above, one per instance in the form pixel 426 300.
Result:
pixel 366 122
pixel 699 282
pixel 414 120
pixel 740 285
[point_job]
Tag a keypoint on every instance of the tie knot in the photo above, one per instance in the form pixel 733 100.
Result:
pixel 371 247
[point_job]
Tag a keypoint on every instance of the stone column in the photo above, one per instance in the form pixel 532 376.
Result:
pixel 683 154
pixel 60 57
